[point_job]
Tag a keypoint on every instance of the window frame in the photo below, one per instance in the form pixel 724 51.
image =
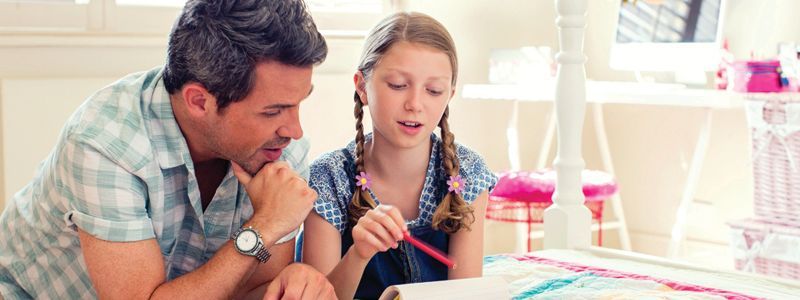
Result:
pixel 106 17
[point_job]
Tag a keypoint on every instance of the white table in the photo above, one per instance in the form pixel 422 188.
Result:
pixel 599 93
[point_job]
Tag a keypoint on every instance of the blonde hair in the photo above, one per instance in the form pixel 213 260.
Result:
pixel 453 213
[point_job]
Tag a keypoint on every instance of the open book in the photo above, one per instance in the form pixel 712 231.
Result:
pixel 470 288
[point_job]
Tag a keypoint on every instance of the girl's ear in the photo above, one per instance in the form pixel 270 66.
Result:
pixel 361 87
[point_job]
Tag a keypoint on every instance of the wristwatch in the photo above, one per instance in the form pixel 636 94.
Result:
pixel 247 241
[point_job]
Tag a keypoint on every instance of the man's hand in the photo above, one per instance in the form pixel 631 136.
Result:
pixel 280 197
pixel 299 281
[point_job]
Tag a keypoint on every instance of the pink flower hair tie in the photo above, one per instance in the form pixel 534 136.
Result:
pixel 363 181
pixel 456 184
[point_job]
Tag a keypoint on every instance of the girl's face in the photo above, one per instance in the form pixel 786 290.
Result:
pixel 407 92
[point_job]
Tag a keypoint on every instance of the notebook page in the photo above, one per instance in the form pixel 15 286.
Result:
pixel 470 288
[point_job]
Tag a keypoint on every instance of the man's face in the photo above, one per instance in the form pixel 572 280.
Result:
pixel 254 131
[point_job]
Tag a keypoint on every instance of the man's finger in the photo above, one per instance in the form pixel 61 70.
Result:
pixel 312 289
pixel 273 290
pixel 240 173
pixel 277 165
pixel 328 292
pixel 294 289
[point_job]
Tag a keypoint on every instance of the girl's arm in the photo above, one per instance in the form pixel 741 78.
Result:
pixel 466 246
pixel 322 246
pixel 378 230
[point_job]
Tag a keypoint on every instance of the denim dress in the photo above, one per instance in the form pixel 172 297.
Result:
pixel 332 176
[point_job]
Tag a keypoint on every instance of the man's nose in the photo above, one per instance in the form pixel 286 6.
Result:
pixel 292 128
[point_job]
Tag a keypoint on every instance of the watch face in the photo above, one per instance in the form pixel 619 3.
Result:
pixel 246 241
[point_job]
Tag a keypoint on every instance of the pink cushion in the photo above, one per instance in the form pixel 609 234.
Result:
pixel 538 186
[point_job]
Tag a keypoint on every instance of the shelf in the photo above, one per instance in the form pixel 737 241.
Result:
pixel 612 92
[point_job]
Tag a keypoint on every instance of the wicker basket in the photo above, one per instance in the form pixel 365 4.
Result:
pixel 766 248
pixel 774 121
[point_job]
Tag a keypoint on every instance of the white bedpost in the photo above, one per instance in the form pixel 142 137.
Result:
pixel 567 223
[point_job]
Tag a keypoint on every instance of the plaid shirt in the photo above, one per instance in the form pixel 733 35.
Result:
pixel 121 171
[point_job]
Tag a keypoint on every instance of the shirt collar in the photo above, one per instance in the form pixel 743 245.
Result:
pixel 165 134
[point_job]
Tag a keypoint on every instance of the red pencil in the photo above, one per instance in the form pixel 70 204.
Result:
pixel 438 255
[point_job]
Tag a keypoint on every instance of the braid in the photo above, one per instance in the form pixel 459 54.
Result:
pixel 453 213
pixel 362 201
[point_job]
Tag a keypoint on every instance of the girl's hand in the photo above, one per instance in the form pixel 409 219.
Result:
pixel 378 230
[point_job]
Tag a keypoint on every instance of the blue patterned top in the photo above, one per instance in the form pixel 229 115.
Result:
pixel 333 177
pixel 329 178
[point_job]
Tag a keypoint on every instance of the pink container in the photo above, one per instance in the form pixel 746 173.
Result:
pixel 756 77
pixel 765 248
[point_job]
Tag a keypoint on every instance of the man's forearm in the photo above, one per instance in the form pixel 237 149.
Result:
pixel 219 278
pixel 222 277
pixel 255 294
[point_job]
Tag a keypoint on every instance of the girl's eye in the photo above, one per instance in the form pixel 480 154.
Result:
pixel 434 92
pixel 396 86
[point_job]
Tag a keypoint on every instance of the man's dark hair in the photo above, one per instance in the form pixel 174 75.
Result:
pixel 217 43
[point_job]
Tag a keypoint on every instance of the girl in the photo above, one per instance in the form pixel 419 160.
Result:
pixel 402 171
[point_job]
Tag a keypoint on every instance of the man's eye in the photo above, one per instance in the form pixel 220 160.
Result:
pixel 271 113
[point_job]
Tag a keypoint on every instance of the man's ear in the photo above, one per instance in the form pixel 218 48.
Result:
pixel 197 99
pixel 361 86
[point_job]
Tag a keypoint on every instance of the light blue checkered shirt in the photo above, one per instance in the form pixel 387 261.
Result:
pixel 121 171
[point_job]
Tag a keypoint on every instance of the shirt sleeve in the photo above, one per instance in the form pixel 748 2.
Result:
pixel 105 199
pixel 478 176
pixel 296 155
pixel 329 180
pixel 289 236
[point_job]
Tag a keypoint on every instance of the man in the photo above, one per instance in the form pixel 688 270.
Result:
pixel 181 182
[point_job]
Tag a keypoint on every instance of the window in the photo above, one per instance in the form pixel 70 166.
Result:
pixel 165 3
pixel 333 17
pixel 362 6
pixel 50 15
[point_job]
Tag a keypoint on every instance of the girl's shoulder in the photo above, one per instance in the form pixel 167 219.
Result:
pixel 329 161
pixel 330 178
pixel 468 157
pixel 471 162
pixel 331 167
pixel 334 162
pixel 473 169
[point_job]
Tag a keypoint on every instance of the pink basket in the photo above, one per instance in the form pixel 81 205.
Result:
pixel 766 249
pixel 774 121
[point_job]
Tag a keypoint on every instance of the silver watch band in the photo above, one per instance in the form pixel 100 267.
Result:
pixel 262 254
